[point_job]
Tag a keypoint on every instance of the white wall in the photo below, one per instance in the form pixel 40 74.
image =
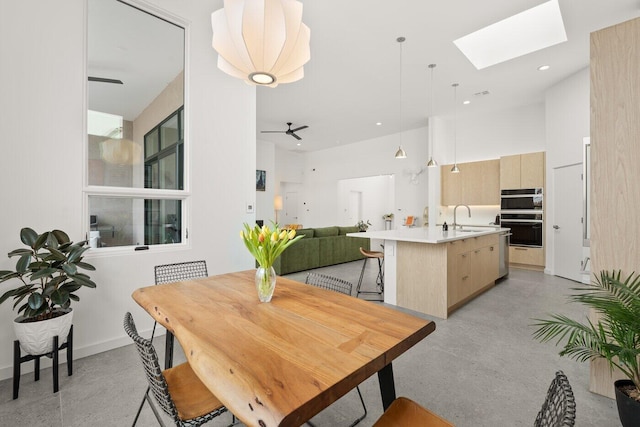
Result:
pixel 376 196
pixel 568 122
pixel 42 81
pixel 323 169
pixel 493 134
pixel 265 160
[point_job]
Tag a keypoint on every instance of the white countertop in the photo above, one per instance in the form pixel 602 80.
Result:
pixel 428 235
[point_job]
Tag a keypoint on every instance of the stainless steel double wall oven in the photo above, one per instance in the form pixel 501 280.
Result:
pixel 521 211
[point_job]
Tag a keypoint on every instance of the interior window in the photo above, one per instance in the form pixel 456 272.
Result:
pixel 135 185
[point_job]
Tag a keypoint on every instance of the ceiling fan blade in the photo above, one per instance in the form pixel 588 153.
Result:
pixel 300 128
pixel 273 131
pixel 295 136
pixel 104 80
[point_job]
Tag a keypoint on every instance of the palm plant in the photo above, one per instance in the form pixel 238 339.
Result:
pixel 615 336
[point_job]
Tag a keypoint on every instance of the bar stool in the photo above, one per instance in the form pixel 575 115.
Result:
pixel 379 279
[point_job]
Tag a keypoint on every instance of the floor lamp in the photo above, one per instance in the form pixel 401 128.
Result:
pixel 277 205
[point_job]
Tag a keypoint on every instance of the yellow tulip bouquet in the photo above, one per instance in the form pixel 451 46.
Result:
pixel 266 245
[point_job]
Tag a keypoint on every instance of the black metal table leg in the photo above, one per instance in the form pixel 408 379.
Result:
pixel 168 351
pixel 387 386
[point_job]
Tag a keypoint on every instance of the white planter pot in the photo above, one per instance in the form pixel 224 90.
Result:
pixel 37 337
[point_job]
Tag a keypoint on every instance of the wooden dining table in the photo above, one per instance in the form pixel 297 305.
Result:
pixel 280 363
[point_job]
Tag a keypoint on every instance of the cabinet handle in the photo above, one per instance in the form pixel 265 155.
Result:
pixel 464 255
pixel 491 248
pixel 520 249
pixel 476 251
pixel 465 277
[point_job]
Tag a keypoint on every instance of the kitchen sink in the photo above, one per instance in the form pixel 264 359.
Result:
pixel 467 230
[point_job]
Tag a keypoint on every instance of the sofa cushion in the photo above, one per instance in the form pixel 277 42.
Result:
pixel 301 255
pixel 306 232
pixel 326 232
pixel 344 230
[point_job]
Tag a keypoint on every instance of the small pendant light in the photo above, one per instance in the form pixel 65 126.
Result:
pixel 431 163
pixel 455 168
pixel 400 154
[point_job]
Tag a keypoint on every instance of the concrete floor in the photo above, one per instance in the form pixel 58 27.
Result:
pixel 479 368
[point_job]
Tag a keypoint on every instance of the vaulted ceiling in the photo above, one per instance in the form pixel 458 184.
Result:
pixel 353 79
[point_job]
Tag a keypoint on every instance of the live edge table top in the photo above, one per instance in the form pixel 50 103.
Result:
pixel 279 363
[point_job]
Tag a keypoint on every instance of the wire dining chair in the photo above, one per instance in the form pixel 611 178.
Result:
pixel 177 390
pixel 168 273
pixel 559 408
pixel 337 285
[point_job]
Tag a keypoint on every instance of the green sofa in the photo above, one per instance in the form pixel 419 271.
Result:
pixel 321 247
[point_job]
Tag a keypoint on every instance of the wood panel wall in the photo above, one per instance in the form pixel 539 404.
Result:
pixel 615 160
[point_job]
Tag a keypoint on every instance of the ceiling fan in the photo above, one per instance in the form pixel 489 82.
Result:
pixel 289 131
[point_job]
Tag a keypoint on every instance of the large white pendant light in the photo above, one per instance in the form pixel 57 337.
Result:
pixel 263 42
pixel 401 154
pixel 455 168
pixel 431 163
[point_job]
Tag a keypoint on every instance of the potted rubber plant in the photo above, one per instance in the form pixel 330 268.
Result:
pixel 47 274
pixel 615 336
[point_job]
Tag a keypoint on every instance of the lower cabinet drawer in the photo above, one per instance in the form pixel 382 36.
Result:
pixel 526 256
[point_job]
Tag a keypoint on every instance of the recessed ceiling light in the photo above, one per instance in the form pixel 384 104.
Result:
pixel 518 35
pixel 466 102
pixel 543 67
pixel 379 124
pixel 299 144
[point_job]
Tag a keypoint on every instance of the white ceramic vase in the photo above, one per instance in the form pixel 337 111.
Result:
pixel 37 337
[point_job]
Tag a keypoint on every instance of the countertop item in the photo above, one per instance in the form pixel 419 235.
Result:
pixel 282 362
pixel 429 235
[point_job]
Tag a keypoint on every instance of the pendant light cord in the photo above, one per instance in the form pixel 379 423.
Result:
pixel 401 40
pixel 455 125
pixel 431 131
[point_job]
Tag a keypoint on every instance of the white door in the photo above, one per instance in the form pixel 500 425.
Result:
pixel 355 206
pixel 290 208
pixel 567 226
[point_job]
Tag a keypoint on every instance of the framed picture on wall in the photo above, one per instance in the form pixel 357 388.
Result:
pixel 261 180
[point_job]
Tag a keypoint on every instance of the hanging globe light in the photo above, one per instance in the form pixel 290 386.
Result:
pixel 263 42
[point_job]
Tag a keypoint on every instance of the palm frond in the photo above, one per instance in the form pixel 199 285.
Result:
pixel 614 337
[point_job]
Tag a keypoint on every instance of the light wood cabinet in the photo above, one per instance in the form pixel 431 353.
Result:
pixel 510 171
pixel 526 257
pixel 615 199
pixel 451 187
pixel 522 171
pixel 478 183
pixel 532 170
pixel 436 279
pixel 473 265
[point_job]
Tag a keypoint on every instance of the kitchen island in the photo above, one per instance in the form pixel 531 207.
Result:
pixel 434 271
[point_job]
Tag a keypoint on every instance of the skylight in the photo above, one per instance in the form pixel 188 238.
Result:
pixel 518 35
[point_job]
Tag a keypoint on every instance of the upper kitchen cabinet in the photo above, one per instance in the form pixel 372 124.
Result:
pixel 478 183
pixel 522 171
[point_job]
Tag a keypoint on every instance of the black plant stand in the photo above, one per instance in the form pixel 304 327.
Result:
pixel 53 354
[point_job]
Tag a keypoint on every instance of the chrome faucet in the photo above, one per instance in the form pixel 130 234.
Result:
pixel 455 223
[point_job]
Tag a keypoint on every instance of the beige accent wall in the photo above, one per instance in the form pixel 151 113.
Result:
pixel 168 101
pixel 615 153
